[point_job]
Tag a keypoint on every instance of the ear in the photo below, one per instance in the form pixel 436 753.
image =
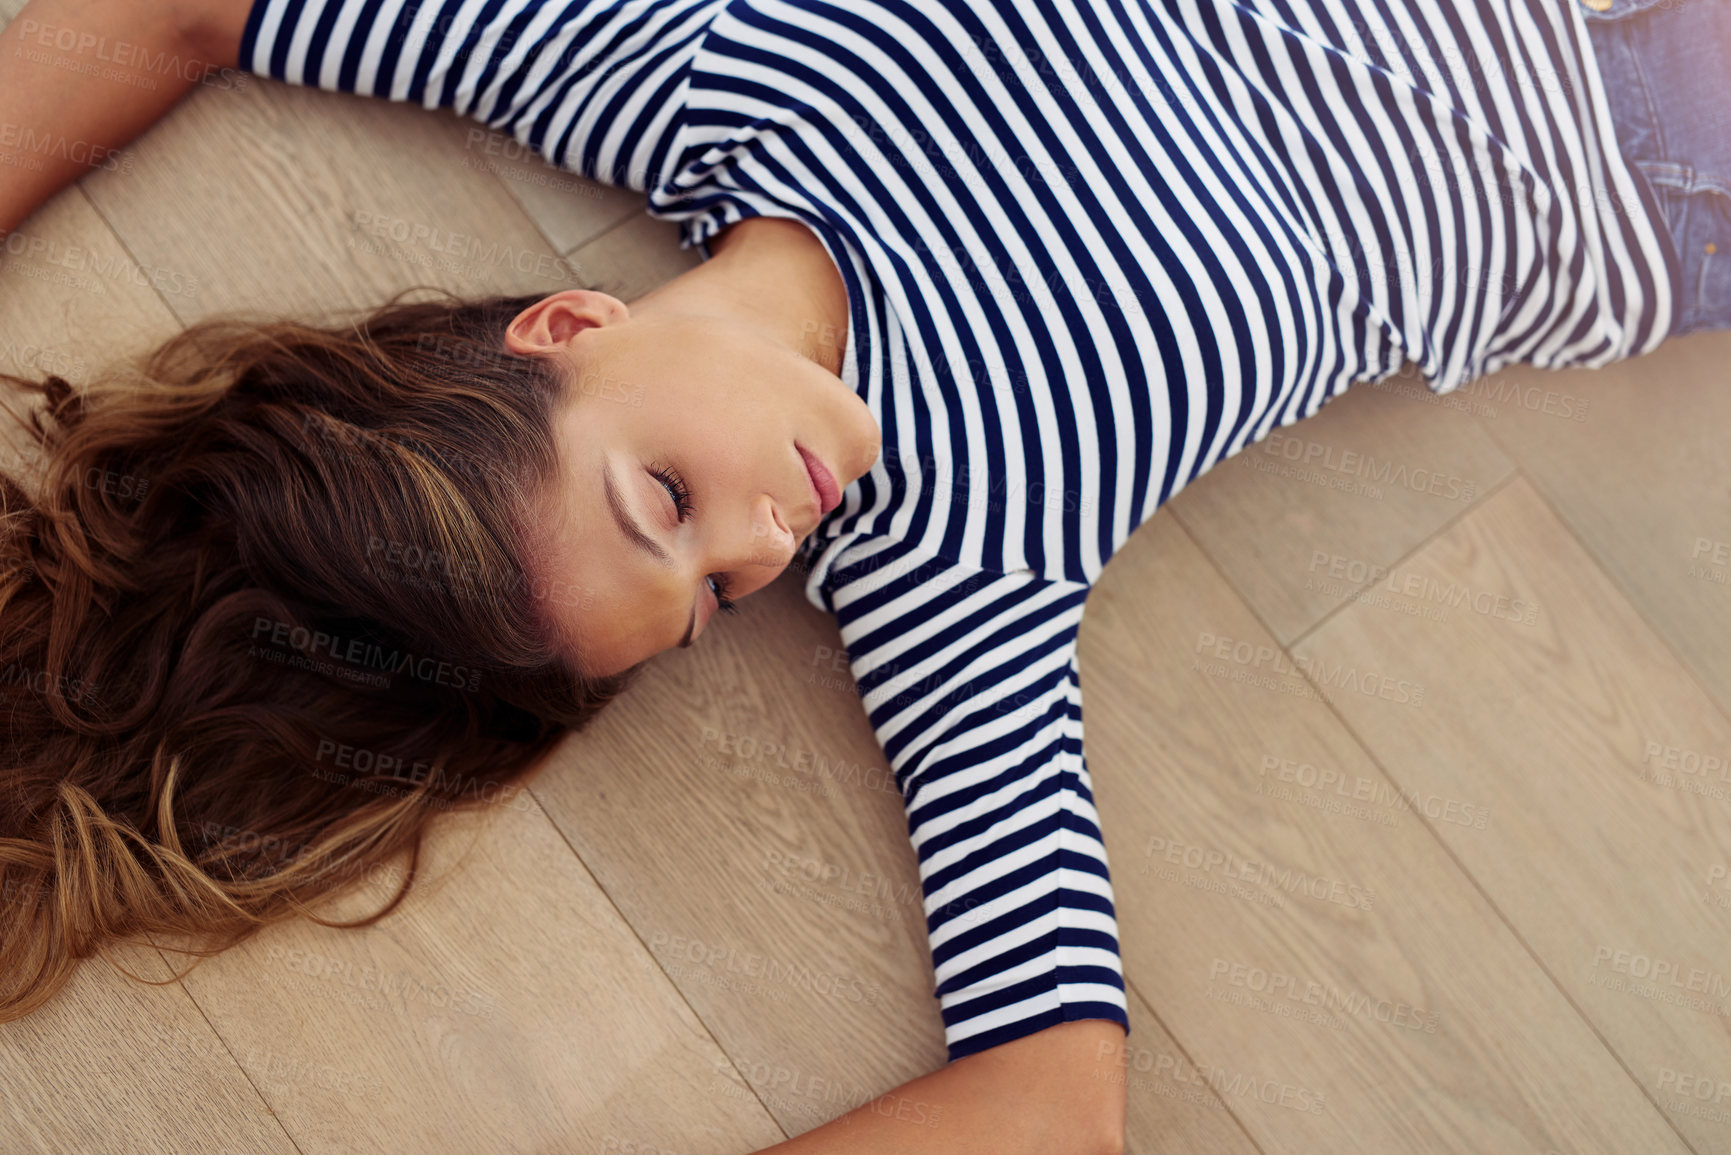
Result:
pixel 555 319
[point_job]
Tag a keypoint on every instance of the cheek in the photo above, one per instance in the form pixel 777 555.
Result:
pixel 602 641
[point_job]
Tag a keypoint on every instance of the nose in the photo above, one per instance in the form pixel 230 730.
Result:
pixel 771 542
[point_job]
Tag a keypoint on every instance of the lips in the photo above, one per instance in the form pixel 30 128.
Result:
pixel 822 480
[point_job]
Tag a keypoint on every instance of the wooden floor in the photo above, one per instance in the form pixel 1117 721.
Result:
pixel 1480 790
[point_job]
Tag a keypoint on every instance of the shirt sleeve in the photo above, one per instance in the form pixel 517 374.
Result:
pixel 593 86
pixel 971 684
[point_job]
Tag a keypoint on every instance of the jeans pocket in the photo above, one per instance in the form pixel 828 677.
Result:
pixel 1698 215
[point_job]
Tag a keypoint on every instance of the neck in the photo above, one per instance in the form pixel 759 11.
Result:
pixel 773 275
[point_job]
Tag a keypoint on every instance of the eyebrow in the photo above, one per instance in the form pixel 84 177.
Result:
pixel 629 527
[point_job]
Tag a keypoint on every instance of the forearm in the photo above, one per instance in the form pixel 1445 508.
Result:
pixel 79 79
pixel 1058 1092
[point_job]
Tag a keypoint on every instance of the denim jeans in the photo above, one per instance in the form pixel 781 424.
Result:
pixel 1666 66
pixel 1667 77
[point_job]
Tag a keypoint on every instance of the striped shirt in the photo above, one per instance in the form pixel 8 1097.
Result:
pixel 1091 249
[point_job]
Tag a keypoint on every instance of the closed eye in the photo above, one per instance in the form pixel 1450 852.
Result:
pixel 682 507
pixel 676 489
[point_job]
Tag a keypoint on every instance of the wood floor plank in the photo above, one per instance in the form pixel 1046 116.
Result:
pixel 736 806
pixel 116 1065
pixel 1172 1103
pixel 73 301
pixel 304 202
pixel 568 209
pixel 506 1007
pixel 1335 950
pixel 1373 473
pixel 1593 746
pixel 633 258
pixel 1634 458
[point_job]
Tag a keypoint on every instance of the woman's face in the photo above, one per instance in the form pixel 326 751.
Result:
pixel 681 472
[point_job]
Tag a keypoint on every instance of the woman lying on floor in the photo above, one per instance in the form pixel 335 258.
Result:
pixel 988 282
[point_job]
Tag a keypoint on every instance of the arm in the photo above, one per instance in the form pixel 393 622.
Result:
pixel 972 684
pixel 58 120
pixel 1054 1092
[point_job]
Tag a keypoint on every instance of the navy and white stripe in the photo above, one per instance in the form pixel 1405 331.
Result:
pixel 1092 248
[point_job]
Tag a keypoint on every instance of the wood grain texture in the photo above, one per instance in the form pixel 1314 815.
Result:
pixel 504 1007
pixel 633 258
pixel 1233 900
pixel 69 288
pixel 117 1065
pixel 1635 459
pixel 1377 470
pixel 1172 1103
pixel 73 303
pixel 292 200
pixel 1574 734
pixel 568 209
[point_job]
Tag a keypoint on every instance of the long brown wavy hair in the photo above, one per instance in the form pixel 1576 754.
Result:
pixel 273 605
